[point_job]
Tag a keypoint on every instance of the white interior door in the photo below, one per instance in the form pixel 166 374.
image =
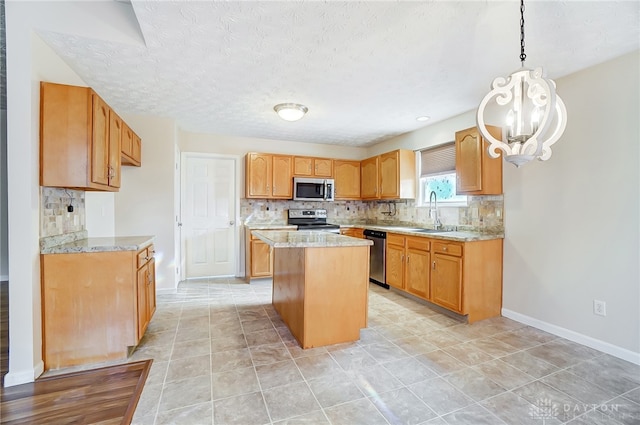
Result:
pixel 208 216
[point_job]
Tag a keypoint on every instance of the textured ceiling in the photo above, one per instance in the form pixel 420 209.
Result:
pixel 365 70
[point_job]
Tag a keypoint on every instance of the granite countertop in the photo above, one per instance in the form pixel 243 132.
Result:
pixel 269 225
pixel 303 239
pixel 460 236
pixel 116 243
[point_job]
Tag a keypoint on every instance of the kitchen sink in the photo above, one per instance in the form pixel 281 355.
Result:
pixel 428 231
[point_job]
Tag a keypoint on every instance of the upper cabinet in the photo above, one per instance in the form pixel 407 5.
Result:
pixel 477 173
pixel 131 147
pixel 80 139
pixel 370 178
pixel 269 176
pixel 312 167
pixel 347 179
pixel 391 175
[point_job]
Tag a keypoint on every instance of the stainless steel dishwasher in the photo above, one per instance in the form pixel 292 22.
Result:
pixel 377 262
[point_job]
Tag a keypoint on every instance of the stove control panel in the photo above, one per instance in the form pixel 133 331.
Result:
pixel 318 213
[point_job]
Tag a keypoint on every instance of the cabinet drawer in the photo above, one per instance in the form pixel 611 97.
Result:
pixel 448 248
pixel 393 239
pixel 143 257
pixel 418 243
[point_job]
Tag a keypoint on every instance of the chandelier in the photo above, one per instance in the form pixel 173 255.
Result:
pixel 534 115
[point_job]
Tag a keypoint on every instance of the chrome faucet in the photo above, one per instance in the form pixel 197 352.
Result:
pixel 433 210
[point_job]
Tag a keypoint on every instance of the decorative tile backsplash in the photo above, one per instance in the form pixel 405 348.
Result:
pixel 55 219
pixel 482 214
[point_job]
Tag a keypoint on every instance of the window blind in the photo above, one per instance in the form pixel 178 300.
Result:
pixel 438 160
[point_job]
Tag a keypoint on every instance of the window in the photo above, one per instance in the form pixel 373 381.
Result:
pixel 437 173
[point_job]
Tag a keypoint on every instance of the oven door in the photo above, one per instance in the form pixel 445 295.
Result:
pixel 305 189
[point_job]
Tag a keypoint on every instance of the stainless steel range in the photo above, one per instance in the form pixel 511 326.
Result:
pixel 312 220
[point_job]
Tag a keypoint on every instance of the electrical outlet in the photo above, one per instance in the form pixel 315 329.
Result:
pixel 599 308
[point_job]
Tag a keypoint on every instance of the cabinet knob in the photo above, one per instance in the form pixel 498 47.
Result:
pixel 444 248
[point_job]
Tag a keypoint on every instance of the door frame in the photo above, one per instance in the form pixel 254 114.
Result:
pixel 237 164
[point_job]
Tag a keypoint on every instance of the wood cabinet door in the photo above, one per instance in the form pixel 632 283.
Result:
pixel 369 178
pixel 282 177
pixel 99 141
pixel 127 140
pixel 302 166
pixel 395 266
pixel 469 147
pixel 261 263
pixel 151 289
pixel 390 175
pixel 141 285
pixel 258 175
pixel 417 272
pixel 323 167
pixel 446 282
pixel 136 149
pixel 115 148
pixel 347 179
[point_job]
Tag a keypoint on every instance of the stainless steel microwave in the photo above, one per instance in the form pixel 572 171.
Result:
pixel 309 189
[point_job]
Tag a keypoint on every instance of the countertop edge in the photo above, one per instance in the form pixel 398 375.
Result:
pixel 339 241
pixel 101 244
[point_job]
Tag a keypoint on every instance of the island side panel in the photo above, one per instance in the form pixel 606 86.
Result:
pixel 336 294
pixel 88 307
pixel 288 288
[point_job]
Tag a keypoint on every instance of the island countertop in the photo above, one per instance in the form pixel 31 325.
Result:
pixel 305 239
pixel 104 244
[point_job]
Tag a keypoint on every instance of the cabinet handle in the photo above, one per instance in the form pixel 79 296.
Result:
pixel 407 259
pixel 434 265
pixel 402 258
pixel 444 248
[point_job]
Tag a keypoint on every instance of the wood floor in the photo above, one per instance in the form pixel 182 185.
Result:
pixel 107 395
pixel 4 330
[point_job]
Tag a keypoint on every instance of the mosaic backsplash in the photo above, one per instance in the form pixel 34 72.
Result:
pixel 54 217
pixel 482 214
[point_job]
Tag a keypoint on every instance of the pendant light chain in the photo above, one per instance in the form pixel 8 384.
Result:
pixel 522 54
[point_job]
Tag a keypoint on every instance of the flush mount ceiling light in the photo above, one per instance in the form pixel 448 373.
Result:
pixel 290 111
pixel 423 118
pixel 534 114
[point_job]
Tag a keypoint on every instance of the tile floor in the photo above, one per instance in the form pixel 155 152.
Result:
pixel 222 356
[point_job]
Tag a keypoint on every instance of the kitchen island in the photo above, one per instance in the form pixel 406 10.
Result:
pixel 320 284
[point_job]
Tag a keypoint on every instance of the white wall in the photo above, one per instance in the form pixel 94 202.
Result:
pixel 4 228
pixel 227 145
pixel 145 203
pixel 572 222
pixel 100 214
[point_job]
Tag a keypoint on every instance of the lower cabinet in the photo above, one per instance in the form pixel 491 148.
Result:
pixel 146 288
pixel 95 305
pixel 258 257
pixel 408 264
pixel 464 277
pixel 446 281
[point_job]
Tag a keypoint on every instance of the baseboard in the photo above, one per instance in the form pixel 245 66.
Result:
pixel 596 344
pixel 17 378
